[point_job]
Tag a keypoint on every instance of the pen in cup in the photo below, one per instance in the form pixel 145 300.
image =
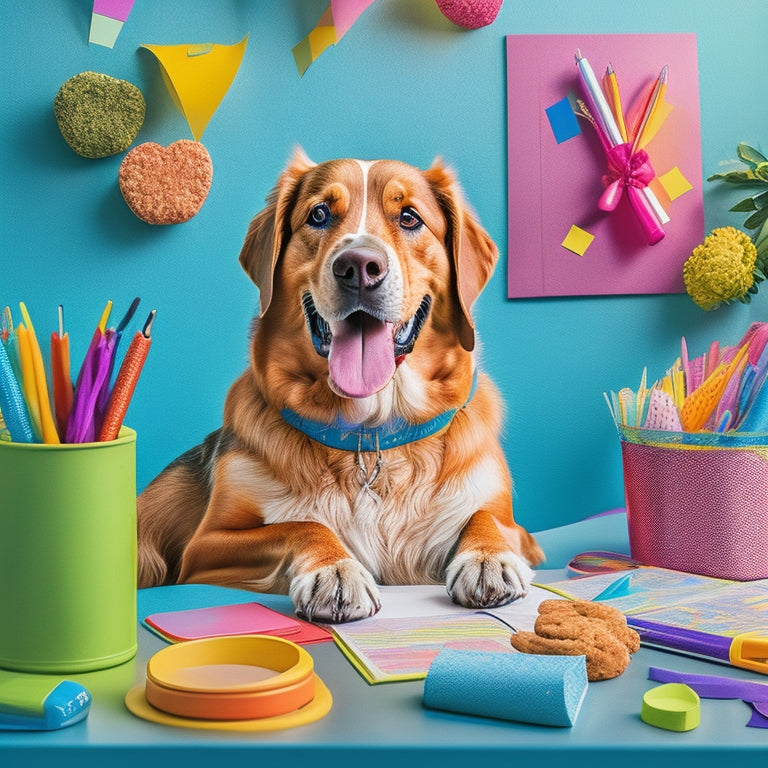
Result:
pixel 126 380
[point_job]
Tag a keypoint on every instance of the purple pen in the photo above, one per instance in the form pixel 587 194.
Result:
pixel 689 641
pixel 748 650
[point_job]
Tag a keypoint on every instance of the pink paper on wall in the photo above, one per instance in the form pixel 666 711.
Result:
pixel 554 184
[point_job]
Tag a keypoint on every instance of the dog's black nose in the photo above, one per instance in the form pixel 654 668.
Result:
pixel 360 268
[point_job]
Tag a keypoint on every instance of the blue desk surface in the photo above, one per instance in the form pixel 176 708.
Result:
pixel 387 725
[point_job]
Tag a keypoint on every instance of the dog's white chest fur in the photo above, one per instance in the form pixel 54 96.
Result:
pixel 401 528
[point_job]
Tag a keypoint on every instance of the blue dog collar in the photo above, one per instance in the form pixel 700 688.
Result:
pixel 356 437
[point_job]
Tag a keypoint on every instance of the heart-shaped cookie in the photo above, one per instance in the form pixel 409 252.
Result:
pixel 166 185
pixel 98 115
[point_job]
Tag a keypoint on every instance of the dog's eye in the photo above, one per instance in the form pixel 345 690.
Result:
pixel 409 219
pixel 319 216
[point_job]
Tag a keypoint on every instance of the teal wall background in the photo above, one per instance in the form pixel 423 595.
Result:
pixel 403 83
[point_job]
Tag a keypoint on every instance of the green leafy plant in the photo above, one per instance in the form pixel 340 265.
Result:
pixel 756 205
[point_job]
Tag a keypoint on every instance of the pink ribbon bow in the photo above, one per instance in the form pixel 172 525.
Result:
pixel 625 169
pixel 631 171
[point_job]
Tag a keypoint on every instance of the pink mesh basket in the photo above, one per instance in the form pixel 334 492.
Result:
pixel 699 508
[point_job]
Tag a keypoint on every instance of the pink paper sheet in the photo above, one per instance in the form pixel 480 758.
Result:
pixel 553 186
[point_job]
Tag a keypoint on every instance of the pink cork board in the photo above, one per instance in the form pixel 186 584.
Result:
pixel 556 164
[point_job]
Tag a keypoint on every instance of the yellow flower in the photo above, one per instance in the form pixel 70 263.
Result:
pixel 721 269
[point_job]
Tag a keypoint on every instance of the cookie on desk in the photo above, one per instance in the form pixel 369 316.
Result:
pixel 582 628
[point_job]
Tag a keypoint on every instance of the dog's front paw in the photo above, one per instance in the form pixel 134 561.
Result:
pixel 344 591
pixel 475 580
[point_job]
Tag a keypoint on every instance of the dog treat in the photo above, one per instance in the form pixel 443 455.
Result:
pixel 166 185
pixel 579 627
pixel 98 115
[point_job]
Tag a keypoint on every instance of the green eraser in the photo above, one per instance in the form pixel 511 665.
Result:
pixel 672 706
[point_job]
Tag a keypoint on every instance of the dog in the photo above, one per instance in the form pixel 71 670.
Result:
pixel 361 445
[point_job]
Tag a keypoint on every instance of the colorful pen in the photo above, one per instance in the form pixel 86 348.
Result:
pixel 126 381
pixel 63 391
pixel 654 100
pixel 748 650
pixel 104 395
pixel 47 424
pixel 12 403
pixel 93 374
pixel 612 86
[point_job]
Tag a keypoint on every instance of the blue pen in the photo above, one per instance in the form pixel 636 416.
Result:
pixel 748 650
pixel 754 416
pixel 12 403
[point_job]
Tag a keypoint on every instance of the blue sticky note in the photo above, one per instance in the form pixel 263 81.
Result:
pixel 562 120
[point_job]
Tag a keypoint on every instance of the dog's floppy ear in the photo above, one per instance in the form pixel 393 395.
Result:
pixel 264 241
pixel 473 251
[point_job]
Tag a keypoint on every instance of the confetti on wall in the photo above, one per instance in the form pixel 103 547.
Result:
pixel 336 21
pixel 107 20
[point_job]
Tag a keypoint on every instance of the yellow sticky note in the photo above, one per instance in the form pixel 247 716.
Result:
pixel 577 240
pixel 198 77
pixel 674 183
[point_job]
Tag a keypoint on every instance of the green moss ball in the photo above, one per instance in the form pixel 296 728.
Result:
pixel 99 115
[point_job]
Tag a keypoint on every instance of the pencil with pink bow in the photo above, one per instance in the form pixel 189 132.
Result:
pixel 623 138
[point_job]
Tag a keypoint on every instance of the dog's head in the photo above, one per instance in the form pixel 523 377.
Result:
pixel 379 261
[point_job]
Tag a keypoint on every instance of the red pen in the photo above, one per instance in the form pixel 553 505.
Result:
pixel 63 391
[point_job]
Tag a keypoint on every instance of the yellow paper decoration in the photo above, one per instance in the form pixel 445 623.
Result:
pixel 198 77
pixel 674 183
pixel 577 240
pixel 335 22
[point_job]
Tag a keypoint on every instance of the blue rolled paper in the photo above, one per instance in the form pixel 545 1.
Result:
pixel 527 688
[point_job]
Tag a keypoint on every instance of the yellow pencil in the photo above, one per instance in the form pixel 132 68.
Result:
pixel 47 424
pixel 28 382
pixel 105 317
pixel 678 384
pixel 651 109
pixel 614 97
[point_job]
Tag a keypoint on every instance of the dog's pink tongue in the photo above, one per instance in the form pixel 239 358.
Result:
pixel 362 356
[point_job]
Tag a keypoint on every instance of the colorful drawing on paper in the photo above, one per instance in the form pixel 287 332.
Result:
pixel 557 163
pixel 718 606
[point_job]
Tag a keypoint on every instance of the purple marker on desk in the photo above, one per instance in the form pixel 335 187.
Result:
pixel 748 650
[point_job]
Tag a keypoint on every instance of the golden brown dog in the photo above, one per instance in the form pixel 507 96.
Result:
pixel 361 444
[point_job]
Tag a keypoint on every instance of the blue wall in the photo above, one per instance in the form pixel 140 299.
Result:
pixel 403 83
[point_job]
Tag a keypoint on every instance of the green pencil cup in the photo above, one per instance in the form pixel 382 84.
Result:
pixel 68 555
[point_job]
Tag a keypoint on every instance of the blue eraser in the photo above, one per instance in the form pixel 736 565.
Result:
pixel 528 688
pixel 30 703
